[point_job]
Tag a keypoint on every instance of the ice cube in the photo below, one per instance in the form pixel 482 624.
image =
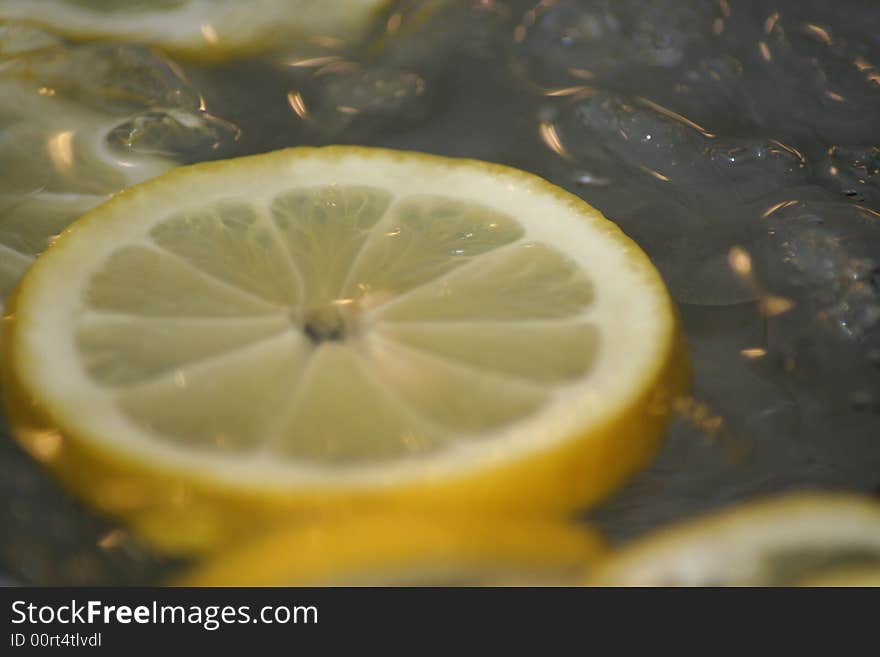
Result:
pixel 825 256
pixel 828 369
pixel 822 65
pixel 757 168
pixel 391 80
pixel 347 98
pixel 561 43
pixel 689 196
pixel 635 133
pixel 855 172
pixel 180 134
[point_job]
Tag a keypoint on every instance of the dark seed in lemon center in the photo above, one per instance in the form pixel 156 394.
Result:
pixel 327 323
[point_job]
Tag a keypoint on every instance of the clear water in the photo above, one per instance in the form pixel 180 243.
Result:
pixel 738 141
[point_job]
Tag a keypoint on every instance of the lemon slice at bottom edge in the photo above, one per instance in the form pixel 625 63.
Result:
pixel 796 539
pixel 323 329
pixel 405 550
pixel 847 577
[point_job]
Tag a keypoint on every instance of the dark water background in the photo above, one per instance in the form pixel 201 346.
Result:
pixel 736 141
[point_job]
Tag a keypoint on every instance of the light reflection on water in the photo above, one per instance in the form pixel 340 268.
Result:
pixel 736 142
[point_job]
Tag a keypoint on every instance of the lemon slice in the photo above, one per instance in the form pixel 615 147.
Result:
pixel 797 539
pixel 203 29
pixel 405 550
pixel 319 329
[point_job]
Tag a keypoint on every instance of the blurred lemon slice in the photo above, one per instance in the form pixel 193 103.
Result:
pixel 404 550
pixel 202 29
pixel 338 327
pixel 56 165
pixel 796 539
pixel 79 123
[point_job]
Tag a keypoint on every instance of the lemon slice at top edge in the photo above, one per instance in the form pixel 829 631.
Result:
pixel 319 329
pixel 795 539
pixel 201 29
pixel 407 550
